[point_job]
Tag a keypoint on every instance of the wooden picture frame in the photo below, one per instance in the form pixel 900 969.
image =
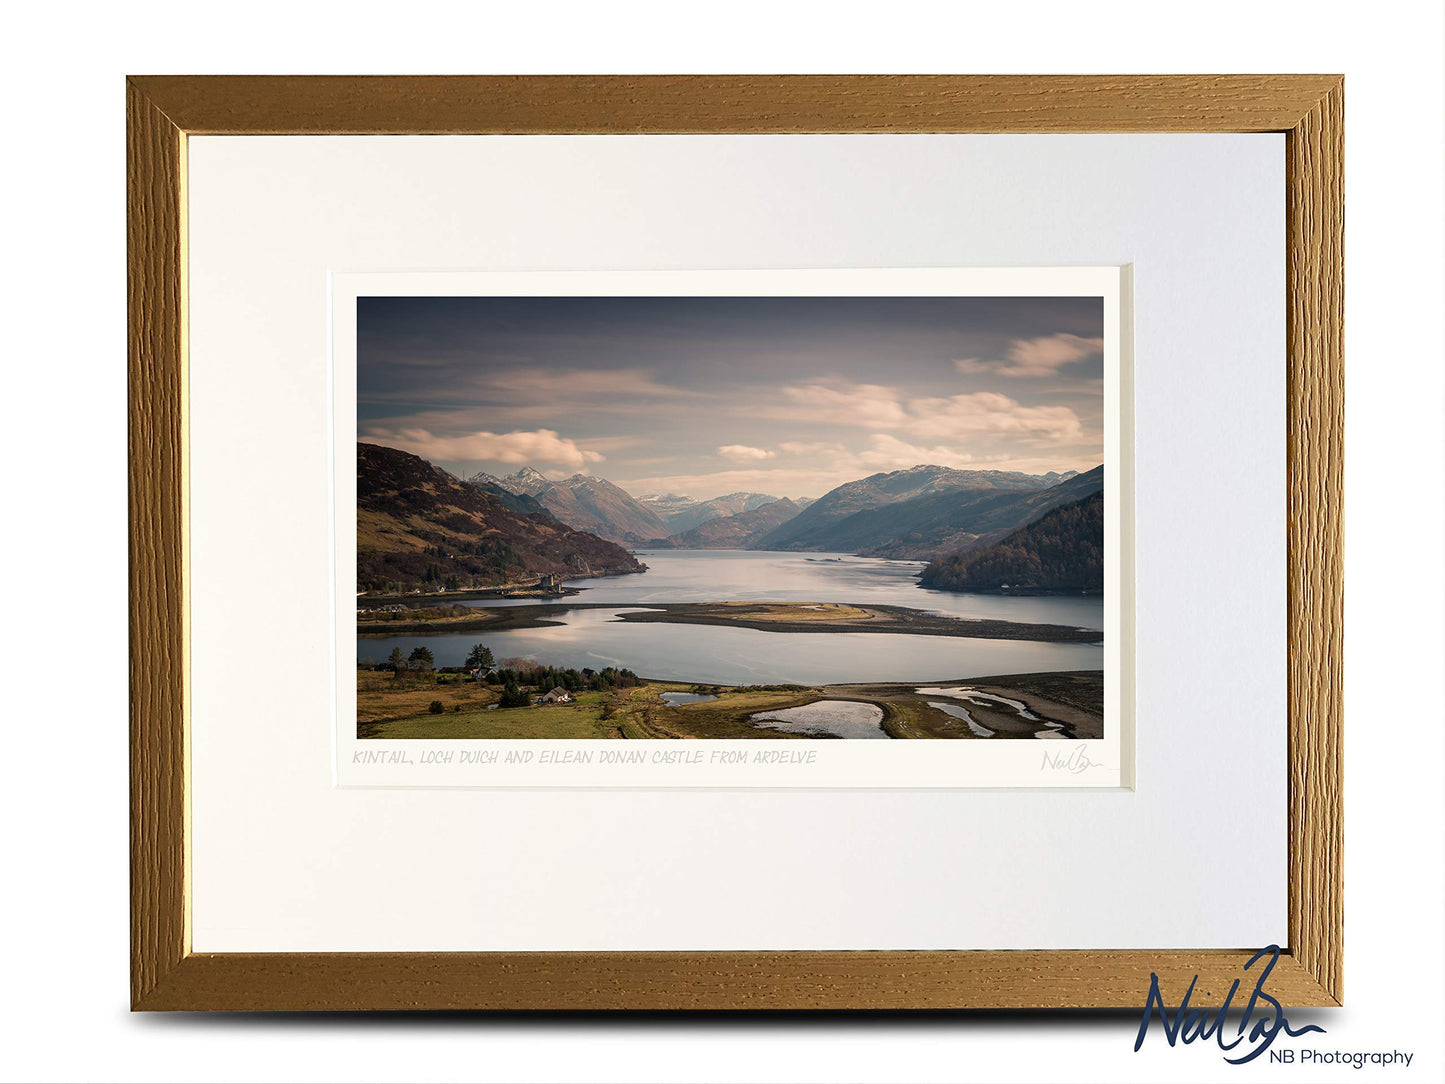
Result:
pixel 163 111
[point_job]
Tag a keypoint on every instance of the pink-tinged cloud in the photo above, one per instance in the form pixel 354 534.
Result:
pixel 744 453
pixel 541 446
pixel 884 452
pixel 888 453
pixel 989 414
pixel 1043 356
pixel 873 406
pixel 812 447
pixel 954 419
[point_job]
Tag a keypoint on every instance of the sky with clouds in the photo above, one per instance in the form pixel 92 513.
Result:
pixel 710 395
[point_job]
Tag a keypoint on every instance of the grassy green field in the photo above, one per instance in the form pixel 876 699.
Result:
pixel 389 708
pixel 386 708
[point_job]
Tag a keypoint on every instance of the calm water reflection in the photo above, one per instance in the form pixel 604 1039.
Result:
pixel 837 718
pixel 705 653
pixel 749 575
pixel 686 698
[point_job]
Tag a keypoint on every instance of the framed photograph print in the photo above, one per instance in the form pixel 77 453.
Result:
pixel 740 618
pixel 734 542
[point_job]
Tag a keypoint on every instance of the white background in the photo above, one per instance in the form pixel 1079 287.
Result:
pixel 65 990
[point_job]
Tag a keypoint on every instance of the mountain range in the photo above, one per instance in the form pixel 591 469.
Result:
pixel 419 527
pixel 938 524
pixel 682 513
pixel 1063 550
pixel 584 502
pixel 739 531
pixel 880 508
pixel 916 514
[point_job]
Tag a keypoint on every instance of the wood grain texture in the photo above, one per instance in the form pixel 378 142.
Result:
pixel 163 111
pixel 258 105
pixel 712 980
pixel 1315 382
pixel 155 243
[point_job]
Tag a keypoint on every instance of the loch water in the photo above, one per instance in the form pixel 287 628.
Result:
pixel 712 654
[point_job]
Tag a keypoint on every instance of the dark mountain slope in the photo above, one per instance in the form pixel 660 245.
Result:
pixel 941 524
pixel 517 502
pixel 1061 551
pixel 586 503
pixel 813 528
pixel 417 526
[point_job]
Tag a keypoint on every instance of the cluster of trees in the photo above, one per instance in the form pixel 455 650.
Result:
pixel 494 550
pixel 420 658
pixel 515 676
pixel 1061 551
pixel 465 565
pixel 491 552
pixel 434 575
pixel 574 681
pixel 513 696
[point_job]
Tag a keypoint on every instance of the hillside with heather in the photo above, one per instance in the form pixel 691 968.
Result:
pixel 1061 551
pixel 419 527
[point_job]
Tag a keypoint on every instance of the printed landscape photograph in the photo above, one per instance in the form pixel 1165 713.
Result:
pixel 718 517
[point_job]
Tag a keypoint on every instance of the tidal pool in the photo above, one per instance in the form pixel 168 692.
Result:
pixel 962 713
pixel 835 718
pixel 686 698
pixel 1046 728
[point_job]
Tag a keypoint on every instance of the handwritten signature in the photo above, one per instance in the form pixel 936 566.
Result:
pixel 1075 762
pixel 1188 1024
